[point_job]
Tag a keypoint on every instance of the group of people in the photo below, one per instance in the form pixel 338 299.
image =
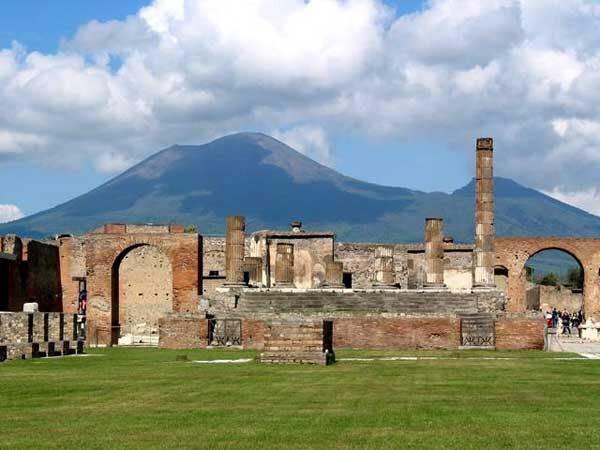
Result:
pixel 565 320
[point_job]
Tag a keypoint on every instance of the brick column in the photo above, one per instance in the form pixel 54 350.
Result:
pixel 234 250
pixel 384 267
pixel 284 265
pixel 434 253
pixel 334 275
pixel 253 266
pixel 483 254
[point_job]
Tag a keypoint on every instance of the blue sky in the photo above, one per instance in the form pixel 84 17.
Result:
pixel 40 26
pixel 402 104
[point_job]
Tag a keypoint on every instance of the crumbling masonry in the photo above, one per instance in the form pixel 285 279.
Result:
pixel 293 294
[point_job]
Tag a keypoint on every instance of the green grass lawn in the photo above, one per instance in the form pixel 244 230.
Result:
pixel 144 398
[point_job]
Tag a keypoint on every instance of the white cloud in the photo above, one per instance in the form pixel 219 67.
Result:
pixel 310 140
pixel 182 71
pixel 112 163
pixel 588 200
pixel 9 213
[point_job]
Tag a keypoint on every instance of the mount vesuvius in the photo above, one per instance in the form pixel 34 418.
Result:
pixel 271 184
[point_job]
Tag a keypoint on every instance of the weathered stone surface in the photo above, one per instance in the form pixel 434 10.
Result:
pixel 334 274
pixel 284 265
pixel 483 254
pixel 384 266
pixel 434 252
pixel 234 250
pixel 288 341
pixel 104 254
pixel 32 335
pixel 31 307
pixel 513 253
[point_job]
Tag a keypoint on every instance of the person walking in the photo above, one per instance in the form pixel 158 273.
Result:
pixel 566 319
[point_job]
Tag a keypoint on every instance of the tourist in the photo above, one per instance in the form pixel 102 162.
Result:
pixel 549 319
pixel 555 316
pixel 575 320
pixel 566 320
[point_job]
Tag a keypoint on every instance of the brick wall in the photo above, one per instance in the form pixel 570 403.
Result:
pixel 403 333
pixel 409 333
pixel 105 251
pixel 299 341
pixel 183 331
pixel 253 334
pixel 519 333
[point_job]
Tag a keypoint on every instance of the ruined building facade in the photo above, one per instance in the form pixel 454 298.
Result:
pixel 160 284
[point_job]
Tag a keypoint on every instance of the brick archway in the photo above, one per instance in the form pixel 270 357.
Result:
pixel 103 251
pixel 513 253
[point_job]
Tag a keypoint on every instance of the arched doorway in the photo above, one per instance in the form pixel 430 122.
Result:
pixel 142 292
pixel 554 279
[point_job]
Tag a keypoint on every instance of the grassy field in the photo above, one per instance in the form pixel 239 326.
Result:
pixel 145 398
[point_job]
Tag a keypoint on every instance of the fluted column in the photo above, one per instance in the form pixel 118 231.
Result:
pixel 483 254
pixel 284 265
pixel 334 274
pixel 253 266
pixel 234 250
pixel 434 253
pixel 384 267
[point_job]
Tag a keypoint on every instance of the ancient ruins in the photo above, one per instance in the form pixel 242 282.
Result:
pixel 295 295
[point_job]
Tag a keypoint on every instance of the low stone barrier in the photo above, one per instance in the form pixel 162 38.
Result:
pixel 25 335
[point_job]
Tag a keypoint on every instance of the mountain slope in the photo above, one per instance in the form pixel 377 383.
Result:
pixel 272 184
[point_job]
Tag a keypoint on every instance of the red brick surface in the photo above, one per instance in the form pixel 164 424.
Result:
pixel 183 332
pixel 103 250
pixel 513 253
pixel 253 334
pixel 405 333
pixel 517 334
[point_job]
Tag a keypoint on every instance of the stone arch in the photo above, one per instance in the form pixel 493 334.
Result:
pixel 103 250
pixel 141 292
pixel 513 253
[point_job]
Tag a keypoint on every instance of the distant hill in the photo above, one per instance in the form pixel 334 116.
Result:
pixel 272 184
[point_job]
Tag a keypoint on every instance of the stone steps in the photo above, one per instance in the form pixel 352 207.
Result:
pixel 291 303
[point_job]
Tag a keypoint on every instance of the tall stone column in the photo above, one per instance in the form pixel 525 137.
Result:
pixel 284 265
pixel 483 254
pixel 234 251
pixel 253 266
pixel 434 253
pixel 384 267
pixel 334 275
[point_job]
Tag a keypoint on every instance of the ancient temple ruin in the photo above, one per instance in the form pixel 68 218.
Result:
pixel 294 294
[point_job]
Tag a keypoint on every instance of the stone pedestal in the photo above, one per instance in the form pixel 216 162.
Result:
pixel 434 253
pixel 483 254
pixel 284 266
pixel 334 275
pixel 589 330
pixel 31 307
pixel 384 267
pixel 234 251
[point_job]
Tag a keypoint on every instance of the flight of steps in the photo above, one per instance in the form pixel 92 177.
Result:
pixel 406 302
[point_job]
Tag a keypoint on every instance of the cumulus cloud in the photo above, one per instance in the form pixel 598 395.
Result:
pixel 9 213
pixel 181 71
pixel 112 163
pixel 310 140
pixel 588 199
